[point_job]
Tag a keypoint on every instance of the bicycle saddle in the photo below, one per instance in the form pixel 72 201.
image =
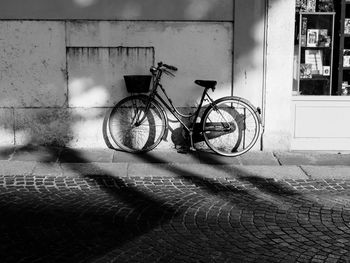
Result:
pixel 209 84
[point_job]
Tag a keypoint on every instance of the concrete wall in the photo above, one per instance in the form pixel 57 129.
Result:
pixel 118 9
pixel 265 78
pixel 58 79
pixel 198 49
pixel 248 50
pixel 279 75
pixel 33 64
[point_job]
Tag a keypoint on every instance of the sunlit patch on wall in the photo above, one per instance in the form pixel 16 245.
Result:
pixel 6 126
pixel 84 3
pixel 86 130
pixel 131 11
pixel 86 133
pixel 23 137
pixel 6 137
pixel 198 9
pixel 84 92
pixel 95 74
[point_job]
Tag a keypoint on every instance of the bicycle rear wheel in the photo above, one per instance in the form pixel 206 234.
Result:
pixel 127 131
pixel 231 126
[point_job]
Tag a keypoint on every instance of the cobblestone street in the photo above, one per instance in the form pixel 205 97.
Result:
pixel 173 219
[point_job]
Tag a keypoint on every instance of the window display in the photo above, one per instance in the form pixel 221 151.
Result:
pixel 344 50
pixel 315 52
pixel 322 47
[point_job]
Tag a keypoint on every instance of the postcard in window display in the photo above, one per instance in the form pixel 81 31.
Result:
pixel 301 5
pixel 314 57
pixel 311 6
pixel 324 40
pixel 303 25
pixel 346 58
pixel 303 31
pixel 345 89
pixel 325 6
pixel 305 71
pixel 312 37
pixel 326 71
pixel 315 6
pixel 303 40
pixel 347 26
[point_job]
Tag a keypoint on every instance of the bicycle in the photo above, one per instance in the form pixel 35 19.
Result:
pixel 230 126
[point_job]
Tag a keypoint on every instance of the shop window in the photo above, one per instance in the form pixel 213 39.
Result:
pixel 322 47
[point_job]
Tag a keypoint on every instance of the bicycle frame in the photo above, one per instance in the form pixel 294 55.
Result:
pixel 173 110
pixel 222 126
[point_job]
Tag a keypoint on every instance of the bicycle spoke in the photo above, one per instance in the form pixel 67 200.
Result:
pixel 128 132
pixel 243 127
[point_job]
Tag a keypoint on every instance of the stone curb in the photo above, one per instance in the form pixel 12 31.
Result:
pixel 174 170
pixel 16 168
pixel 326 172
pixel 217 171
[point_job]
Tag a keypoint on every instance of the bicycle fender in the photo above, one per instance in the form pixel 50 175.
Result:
pixel 255 109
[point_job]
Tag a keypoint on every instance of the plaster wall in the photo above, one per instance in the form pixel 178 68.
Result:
pixel 265 76
pixel 200 50
pixel 279 75
pixel 248 50
pixel 95 74
pixel 118 9
pixel 59 79
pixel 41 103
pixel 6 128
pixel 32 64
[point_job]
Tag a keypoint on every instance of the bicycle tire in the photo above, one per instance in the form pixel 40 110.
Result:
pixel 242 133
pixel 130 137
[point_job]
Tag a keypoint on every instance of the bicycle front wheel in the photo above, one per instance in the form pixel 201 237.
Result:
pixel 137 124
pixel 231 126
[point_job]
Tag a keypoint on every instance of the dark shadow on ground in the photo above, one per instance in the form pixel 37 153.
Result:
pixel 73 226
pixel 109 216
pixel 267 185
pixel 56 224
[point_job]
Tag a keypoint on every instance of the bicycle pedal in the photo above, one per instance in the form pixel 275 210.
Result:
pixel 183 150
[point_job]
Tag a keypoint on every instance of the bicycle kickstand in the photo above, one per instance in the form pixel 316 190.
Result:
pixel 192 149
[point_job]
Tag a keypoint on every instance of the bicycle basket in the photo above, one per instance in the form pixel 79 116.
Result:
pixel 137 83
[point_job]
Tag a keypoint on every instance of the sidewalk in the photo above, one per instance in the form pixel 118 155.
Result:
pixel 76 162
pixel 69 205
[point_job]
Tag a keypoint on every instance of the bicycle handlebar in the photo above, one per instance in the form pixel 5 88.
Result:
pixel 170 67
pixel 161 64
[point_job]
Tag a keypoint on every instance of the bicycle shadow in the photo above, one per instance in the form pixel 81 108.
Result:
pixel 75 228
pixel 267 185
pixel 92 230
pixel 232 172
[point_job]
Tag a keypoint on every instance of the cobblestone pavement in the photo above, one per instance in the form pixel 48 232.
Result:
pixel 173 219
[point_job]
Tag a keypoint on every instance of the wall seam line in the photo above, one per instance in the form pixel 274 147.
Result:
pixel 14 126
pixel 264 82
pixel 117 20
pixel 66 70
pixel 233 49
